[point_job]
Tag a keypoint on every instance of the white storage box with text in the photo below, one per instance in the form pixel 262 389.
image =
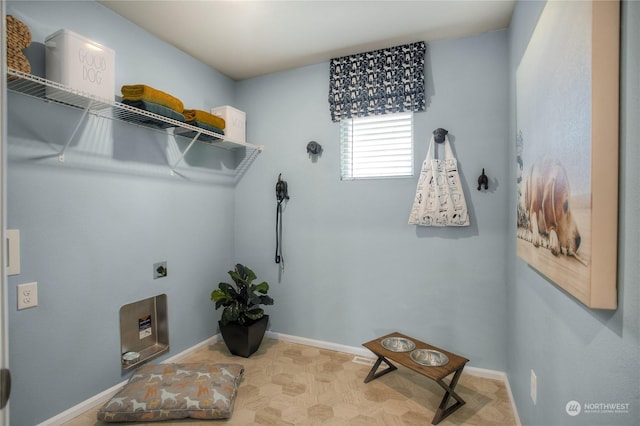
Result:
pixel 81 64
pixel 235 121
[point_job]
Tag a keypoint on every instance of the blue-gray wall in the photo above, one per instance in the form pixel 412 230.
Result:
pixel 354 269
pixel 578 354
pixel 92 228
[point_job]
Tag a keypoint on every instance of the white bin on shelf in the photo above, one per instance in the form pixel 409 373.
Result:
pixel 235 121
pixel 81 64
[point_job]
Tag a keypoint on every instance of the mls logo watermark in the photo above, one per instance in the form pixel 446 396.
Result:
pixel 573 408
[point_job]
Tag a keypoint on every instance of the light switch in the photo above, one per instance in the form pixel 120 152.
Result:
pixel 13 251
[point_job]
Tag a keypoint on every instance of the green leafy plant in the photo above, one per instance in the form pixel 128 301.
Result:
pixel 241 301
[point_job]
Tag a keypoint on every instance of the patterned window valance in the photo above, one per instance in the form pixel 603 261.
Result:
pixel 378 82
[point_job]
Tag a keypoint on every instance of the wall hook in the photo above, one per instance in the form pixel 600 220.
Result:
pixel 314 148
pixel 439 134
pixel 483 180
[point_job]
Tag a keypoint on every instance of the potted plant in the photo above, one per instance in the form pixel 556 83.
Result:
pixel 243 322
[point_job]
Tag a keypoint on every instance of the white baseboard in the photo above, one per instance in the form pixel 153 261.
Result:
pixel 102 397
pixel 320 344
pixel 86 405
pixel 193 349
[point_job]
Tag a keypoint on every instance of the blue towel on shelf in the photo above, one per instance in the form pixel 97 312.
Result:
pixel 155 109
pixel 203 126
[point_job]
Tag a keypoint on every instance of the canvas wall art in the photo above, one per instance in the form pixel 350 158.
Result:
pixel 567 149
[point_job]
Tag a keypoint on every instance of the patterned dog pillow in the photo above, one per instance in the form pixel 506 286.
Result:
pixel 175 391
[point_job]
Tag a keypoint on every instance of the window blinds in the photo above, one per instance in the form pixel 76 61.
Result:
pixel 377 146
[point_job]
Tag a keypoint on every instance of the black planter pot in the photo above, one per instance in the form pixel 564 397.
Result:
pixel 243 340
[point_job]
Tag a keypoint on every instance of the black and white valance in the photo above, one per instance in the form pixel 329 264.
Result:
pixel 377 82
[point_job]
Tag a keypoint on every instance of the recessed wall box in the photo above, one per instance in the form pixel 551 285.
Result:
pixel 144 329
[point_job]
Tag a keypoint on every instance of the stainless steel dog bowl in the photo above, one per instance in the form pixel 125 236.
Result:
pixel 429 357
pixel 129 358
pixel 398 344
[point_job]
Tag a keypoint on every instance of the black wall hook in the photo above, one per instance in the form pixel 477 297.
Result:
pixel 439 134
pixel 314 148
pixel 282 190
pixel 483 180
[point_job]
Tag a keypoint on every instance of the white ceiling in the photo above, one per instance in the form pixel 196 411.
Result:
pixel 245 39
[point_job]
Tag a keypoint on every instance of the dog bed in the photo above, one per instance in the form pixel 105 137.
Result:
pixel 175 391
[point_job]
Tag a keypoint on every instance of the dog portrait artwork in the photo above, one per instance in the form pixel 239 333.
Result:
pixel 548 220
pixel 553 221
pixel 566 151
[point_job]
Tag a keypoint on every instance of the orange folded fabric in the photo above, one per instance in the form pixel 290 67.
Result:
pixel 141 92
pixel 204 117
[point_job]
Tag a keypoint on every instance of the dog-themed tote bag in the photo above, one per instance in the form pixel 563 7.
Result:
pixel 439 197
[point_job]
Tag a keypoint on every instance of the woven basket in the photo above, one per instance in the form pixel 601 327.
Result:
pixel 18 38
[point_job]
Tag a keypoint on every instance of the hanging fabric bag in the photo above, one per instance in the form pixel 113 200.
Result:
pixel 439 196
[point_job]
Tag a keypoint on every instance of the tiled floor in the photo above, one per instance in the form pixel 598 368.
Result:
pixel 291 384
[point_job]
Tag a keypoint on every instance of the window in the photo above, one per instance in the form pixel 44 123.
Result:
pixel 377 146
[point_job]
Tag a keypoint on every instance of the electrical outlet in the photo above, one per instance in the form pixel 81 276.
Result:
pixel 27 295
pixel 534 387
pixel 159 270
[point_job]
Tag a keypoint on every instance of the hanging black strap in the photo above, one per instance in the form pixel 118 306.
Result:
pixel 278 232
pixel 281 195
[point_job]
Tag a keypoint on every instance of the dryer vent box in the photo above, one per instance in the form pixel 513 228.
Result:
pixel 144 330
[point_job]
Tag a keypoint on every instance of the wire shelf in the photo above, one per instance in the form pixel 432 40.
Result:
pixel 51 91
